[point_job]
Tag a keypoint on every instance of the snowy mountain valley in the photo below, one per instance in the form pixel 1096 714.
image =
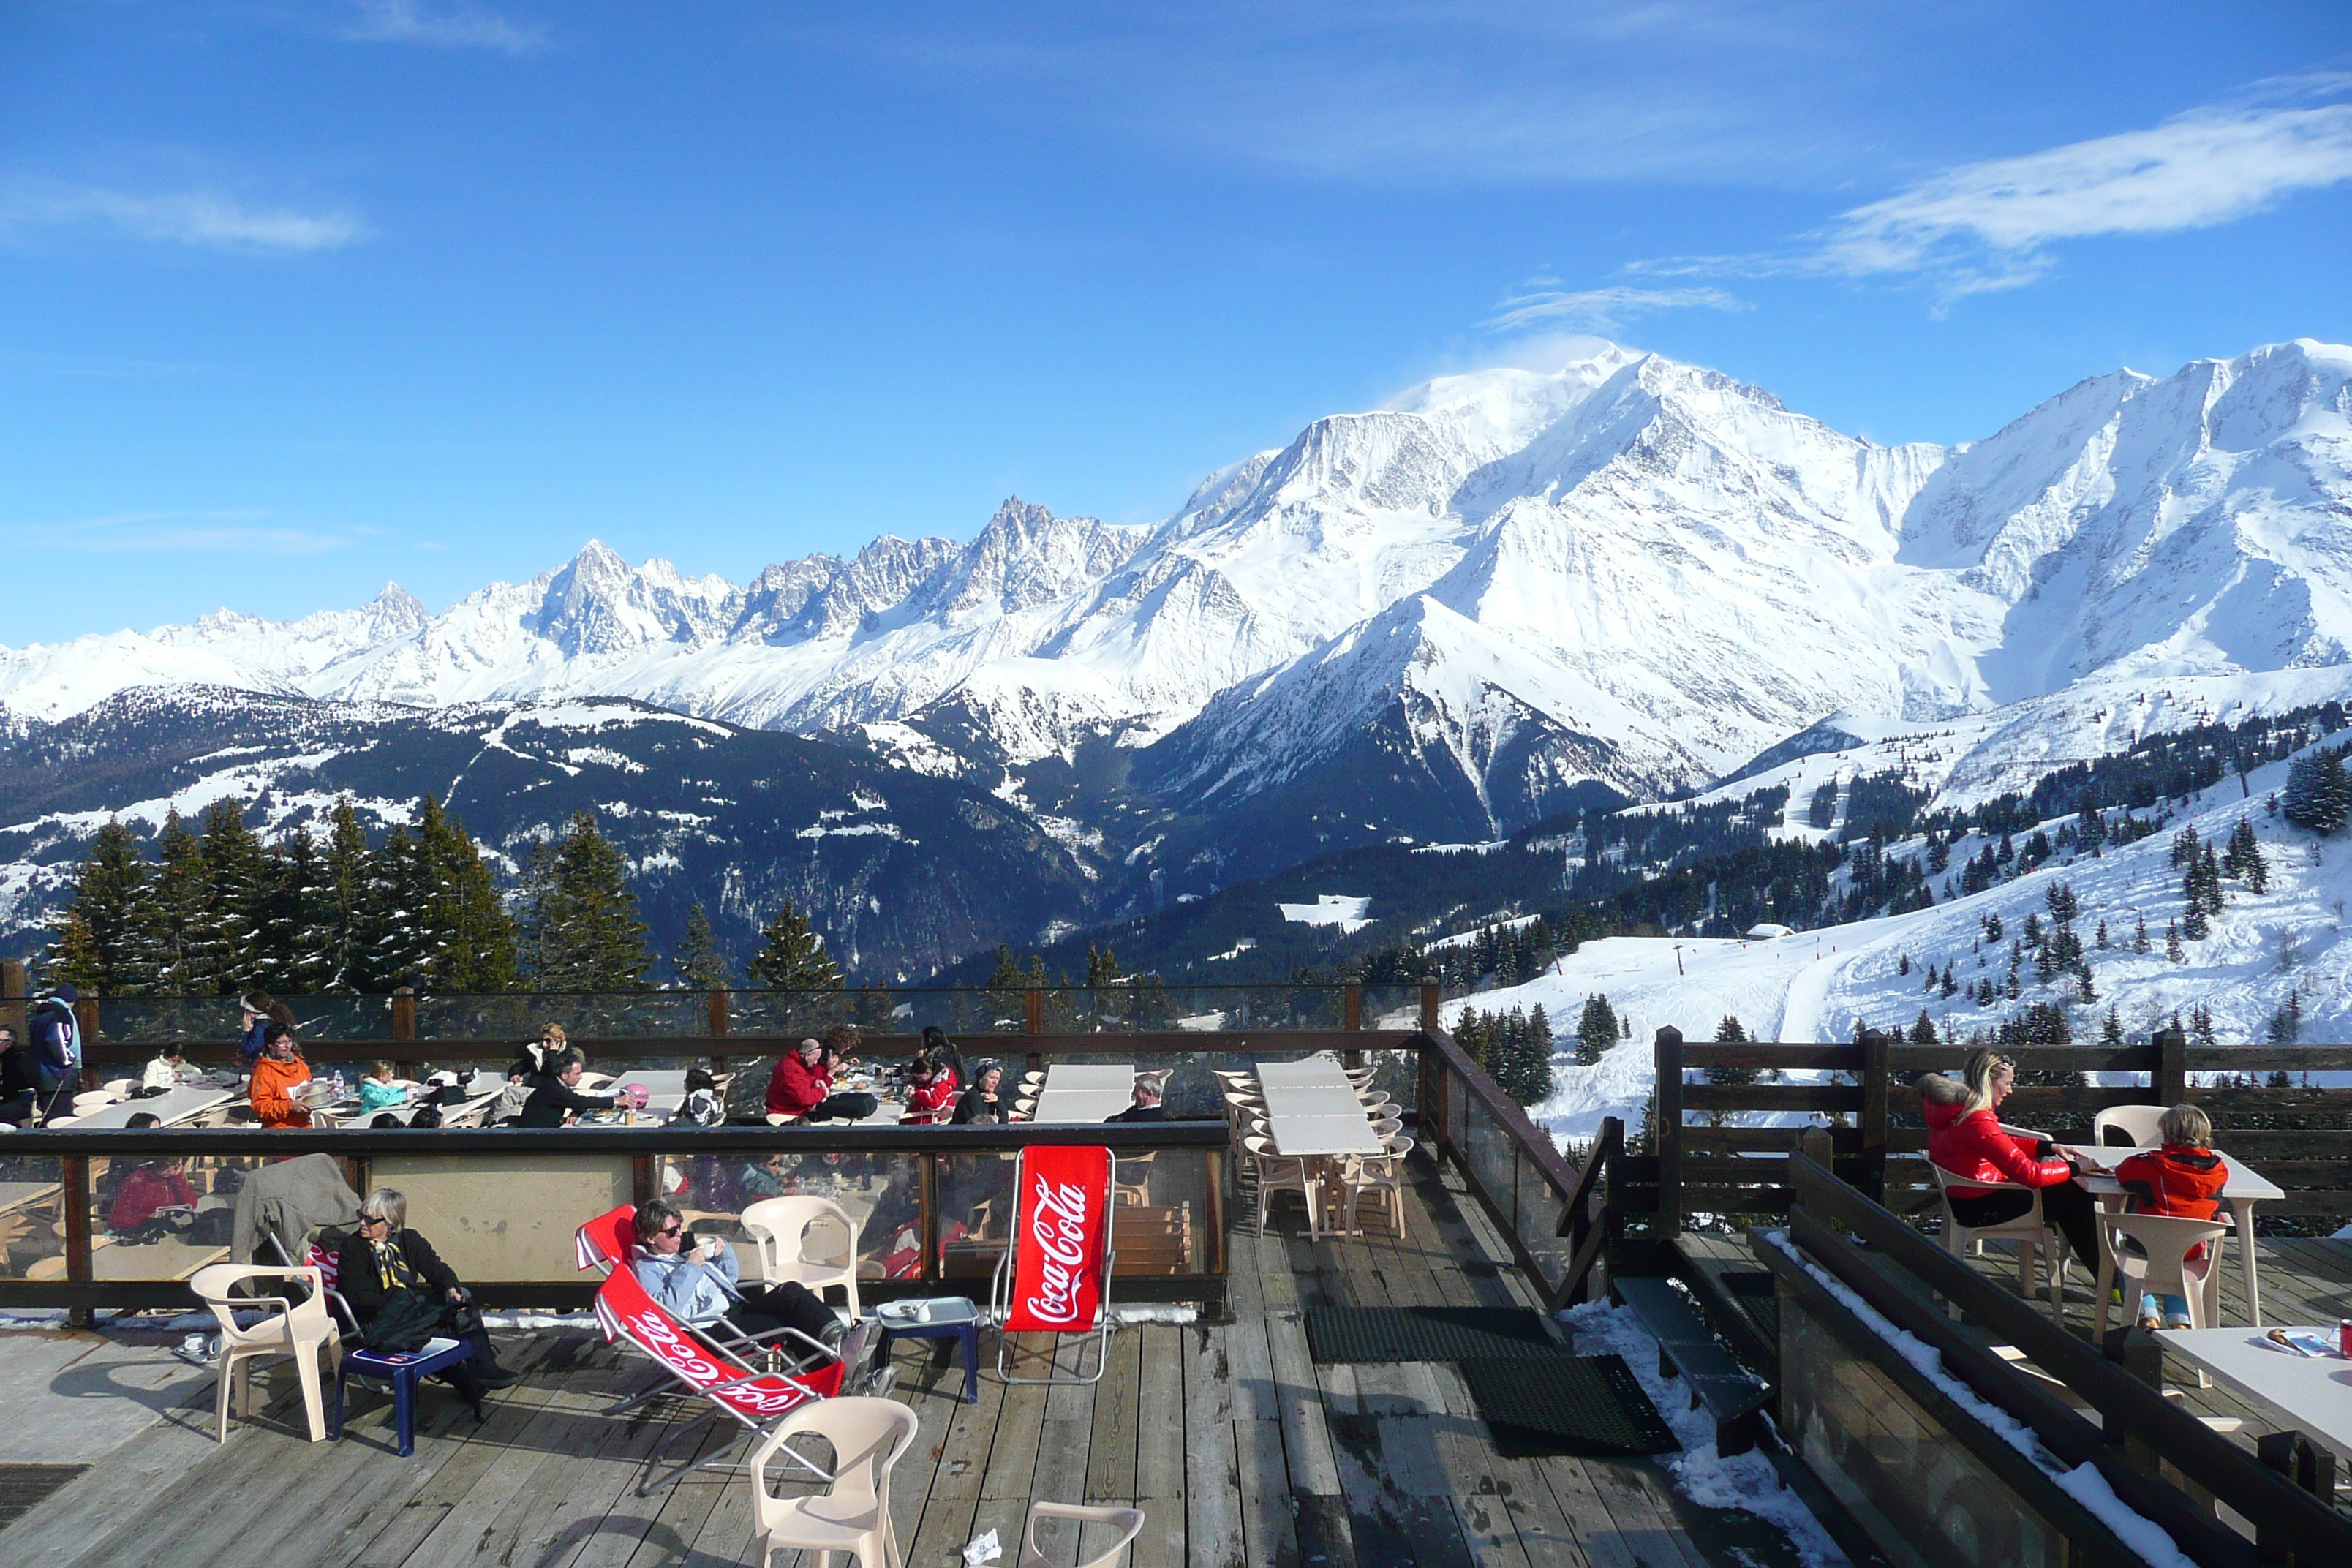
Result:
pixel 1504 601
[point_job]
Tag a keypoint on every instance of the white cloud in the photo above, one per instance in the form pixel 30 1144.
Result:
pixel 455 27
pixel 1991 225
pixel 204 219
pixel 1600 310
pixel 243 533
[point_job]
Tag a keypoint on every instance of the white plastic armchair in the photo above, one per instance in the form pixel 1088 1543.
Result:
pixel 868 1437
pixel 2163 1267
pixel 2137 1123
pixel 294 1329
pixel 1129 1522
pixel 781 1225
pixel 2035 1234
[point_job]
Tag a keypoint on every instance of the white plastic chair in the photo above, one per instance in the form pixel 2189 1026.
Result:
pixel 293 1330
pixel 1382 1173
pixel 94 1099
pixel 1278 1173
pixel 854 1514
pixel 2035 1236
pixel 1127 1520
pixel 121 1088
pixel 2136 1122
pixel 780 1227
pixel 2165 1269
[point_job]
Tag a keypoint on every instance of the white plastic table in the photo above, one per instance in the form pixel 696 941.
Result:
pixel 1081 1091
pixel 2312 1394
pixel 2242 1192
pixel 1308 1072
pixel 170 1108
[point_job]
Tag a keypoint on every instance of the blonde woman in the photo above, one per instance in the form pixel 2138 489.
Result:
pixel 1966 1138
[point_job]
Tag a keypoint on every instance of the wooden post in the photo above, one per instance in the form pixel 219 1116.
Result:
pixel 1351 1016
pixel 2308 1465
pixel 1816 1144
pixel 86 1019
pixel 1034 1018
pixel 645 1179
pixel 1428 1008
pixel 12 996
pixel 404 1014
pixel 1670 1131
pixel 1872 1176
pixel 2171 1080
pixel 74 1193
pixel 719 1015
pixel 927 1168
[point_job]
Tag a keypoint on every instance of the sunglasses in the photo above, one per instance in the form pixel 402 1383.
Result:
pixel 672 1229
pixel 367 1220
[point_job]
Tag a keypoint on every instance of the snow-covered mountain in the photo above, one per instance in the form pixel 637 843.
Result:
pixel 1448 617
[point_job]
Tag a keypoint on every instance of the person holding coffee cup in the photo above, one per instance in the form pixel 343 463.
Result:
pixel 699 1281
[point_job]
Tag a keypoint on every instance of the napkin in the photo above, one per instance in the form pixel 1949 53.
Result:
pixel 983 1550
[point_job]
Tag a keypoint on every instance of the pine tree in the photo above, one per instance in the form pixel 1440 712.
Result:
pixel 172 917
pixel 1923 1029
pixel 1596 1031
pixel 2201 1032
pixel 1102 966
pixel 2243 858
pixel 2063 905
pixel 98 946
pixel 2172 952
pixel 2318 793
pixel 391 936
pixel 2100 937
pixel 1537 1080
pixel 1949 985
pixel 1730 1031
pixel 226 953
pixel 791 957
pixel 346 873
pixel 582 920
pixel 2139 934
pixel 2111 1030
pixel 2193 924
pixel 699 964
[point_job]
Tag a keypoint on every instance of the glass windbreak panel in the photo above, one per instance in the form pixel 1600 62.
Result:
pixel 188 1018
pixel 523 1014
pixel 1267 1007
pixel 975 1215
pixel 32 1219
pixel 1457 1108
pixel 1161 1221
pixel 341 1017
pixel 878 1196
pixel 1489 1157
pixel 160 1216
pixel 1926 1500
pixel 505 1218
pixel 1392 1007
pixel 1396 1073
pixel 1536 1216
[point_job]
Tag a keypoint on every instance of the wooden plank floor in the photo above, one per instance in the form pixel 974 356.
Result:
pixel 1240 1449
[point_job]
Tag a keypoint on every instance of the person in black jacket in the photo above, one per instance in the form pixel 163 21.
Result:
pixel 982 1101
pixel 382 1257
pixel 1146 1106
pixel 556 1098
pixel 18 1084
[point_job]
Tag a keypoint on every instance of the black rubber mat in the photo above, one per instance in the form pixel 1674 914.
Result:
pixel 1581 1406
pixel 23 1488
pixel 1336 1334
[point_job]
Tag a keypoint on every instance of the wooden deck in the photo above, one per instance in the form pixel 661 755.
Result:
pixel 1240 1449
pixel 2303 1280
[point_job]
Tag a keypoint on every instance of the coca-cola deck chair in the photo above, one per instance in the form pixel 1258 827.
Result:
pixel 607 1243
pixel 699 1370
pixel 1055 1275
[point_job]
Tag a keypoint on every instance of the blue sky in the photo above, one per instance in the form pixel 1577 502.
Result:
pixel 298 297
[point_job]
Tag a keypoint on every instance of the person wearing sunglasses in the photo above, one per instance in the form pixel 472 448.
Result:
pixel 386 1271
pixel 1966 1137
pixel 699 1282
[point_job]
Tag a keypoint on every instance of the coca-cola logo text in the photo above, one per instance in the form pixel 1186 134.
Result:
pixel 1058 1228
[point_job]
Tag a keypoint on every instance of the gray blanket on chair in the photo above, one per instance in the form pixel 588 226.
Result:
pixel 290 1199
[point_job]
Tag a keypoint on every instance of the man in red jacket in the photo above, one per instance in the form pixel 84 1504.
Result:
pixel 1966 1138
pixel 801 1090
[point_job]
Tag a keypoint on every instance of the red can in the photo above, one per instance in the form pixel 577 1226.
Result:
pixel 2344 1336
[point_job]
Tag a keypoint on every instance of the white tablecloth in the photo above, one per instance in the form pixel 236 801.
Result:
pixel 1085 1092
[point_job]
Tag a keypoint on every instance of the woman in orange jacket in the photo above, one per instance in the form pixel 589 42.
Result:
pixel 278 1074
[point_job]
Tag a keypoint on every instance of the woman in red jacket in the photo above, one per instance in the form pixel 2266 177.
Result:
pixel 2182 1178
pixel 1966 1138
pixel 931 1091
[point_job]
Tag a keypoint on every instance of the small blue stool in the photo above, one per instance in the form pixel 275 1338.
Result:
pixel 402 1370
pixel 944 1317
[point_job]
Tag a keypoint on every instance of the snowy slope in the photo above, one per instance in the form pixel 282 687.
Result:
pixel 1819 984
pixel 1629 573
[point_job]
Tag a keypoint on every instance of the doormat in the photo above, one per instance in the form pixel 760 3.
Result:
pixel 24 1488
pixel 1584 1406
pixel 1336 1334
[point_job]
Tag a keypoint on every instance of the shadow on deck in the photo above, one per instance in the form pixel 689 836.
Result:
pixel 1239 1448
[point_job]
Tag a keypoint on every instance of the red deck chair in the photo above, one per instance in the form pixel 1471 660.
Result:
pixel 606 1244
pixel 1055 1275
pixel 697 1370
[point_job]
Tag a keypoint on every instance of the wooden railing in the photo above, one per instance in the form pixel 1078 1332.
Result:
pixel 2106 1410
pixel 2300 1138
pixel 1535 1195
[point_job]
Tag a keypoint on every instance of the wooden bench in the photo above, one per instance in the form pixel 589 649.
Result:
pixel 1736 1397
